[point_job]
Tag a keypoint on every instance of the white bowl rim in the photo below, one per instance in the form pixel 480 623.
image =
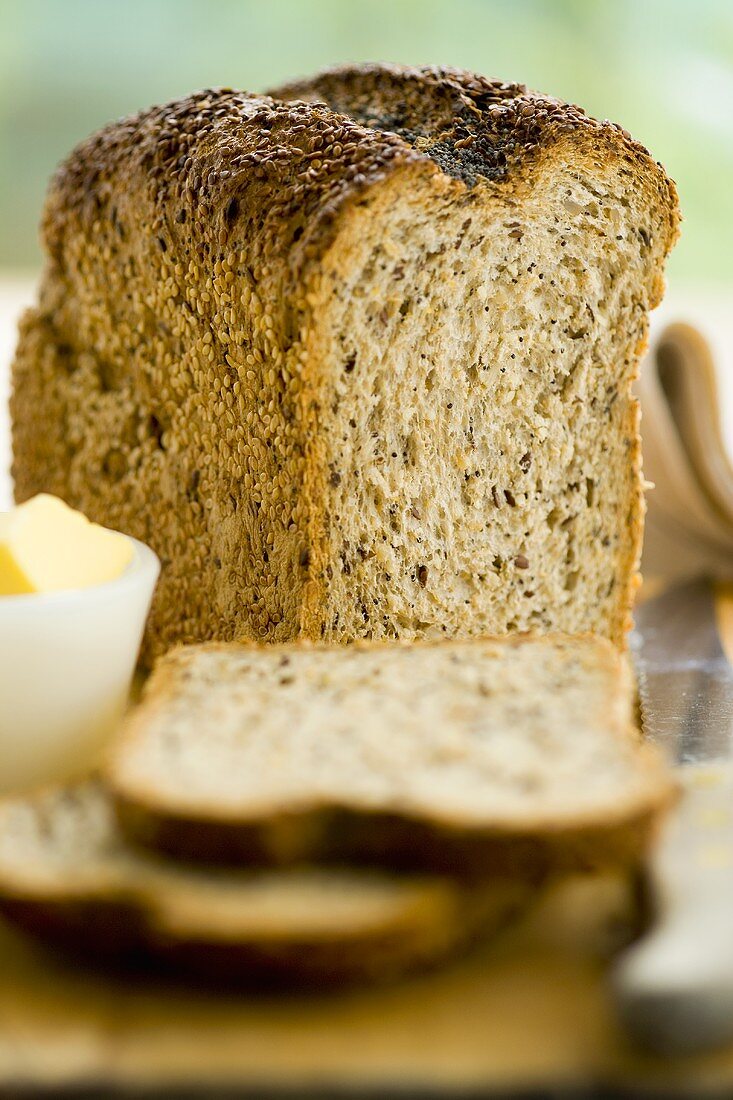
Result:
pixel 144 566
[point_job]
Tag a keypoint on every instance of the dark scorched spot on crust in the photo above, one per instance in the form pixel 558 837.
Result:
pixel 472 127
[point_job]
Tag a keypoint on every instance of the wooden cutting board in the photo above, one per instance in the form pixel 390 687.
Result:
pixel 529 1008
pixel 529 1011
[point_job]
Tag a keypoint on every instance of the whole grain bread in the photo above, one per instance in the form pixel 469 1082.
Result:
pixel 354 368
pixel 471 757
pixel 67 874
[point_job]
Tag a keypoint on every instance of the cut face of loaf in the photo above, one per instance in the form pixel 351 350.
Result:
pixel 66 873
pixel 472 757
pixel 354 369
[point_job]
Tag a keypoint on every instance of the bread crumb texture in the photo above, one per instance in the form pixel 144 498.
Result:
pixel 355 359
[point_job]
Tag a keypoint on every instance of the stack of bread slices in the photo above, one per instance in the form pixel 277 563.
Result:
pixel 355 358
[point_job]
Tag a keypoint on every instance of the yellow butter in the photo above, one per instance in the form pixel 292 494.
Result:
pixel 45 546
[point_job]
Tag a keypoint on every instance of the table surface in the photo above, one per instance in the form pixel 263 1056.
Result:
pixel 531 1009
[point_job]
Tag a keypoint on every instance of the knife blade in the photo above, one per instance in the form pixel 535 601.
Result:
pixel 674 987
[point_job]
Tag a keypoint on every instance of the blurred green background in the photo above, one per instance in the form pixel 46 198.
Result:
pixel 663 68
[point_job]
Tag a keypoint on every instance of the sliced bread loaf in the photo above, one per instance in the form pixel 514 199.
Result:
pixel 66 873
pixel 354 368
pixel 466 756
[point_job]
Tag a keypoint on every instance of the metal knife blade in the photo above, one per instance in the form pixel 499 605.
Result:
pixel 674 987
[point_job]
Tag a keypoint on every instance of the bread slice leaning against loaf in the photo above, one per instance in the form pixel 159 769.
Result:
pixel 67 875
pixel 355 368
pixel 473 757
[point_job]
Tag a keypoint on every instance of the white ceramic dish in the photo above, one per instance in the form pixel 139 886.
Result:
pixel 66 665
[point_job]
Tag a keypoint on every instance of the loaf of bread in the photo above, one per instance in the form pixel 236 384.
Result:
pixel 471 757
pixel 66 873
pixel 354 368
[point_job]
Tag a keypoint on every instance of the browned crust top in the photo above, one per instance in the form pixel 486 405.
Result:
pixel 470 125
pixel 219 153
pixel 255 173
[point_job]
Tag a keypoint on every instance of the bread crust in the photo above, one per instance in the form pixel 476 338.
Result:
pixel 184 247
pixel 109 930
pixel 332 835
pixel 101 903
pixel 109 934
pixel 474 128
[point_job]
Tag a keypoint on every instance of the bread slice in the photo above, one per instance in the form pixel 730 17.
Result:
pixel 473 757
pixel 354 369
pixel 66 873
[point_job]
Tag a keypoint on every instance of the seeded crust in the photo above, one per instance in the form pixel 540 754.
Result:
pixel 477 758
pixel 473 127
pixel 216 357
pixel 67 875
